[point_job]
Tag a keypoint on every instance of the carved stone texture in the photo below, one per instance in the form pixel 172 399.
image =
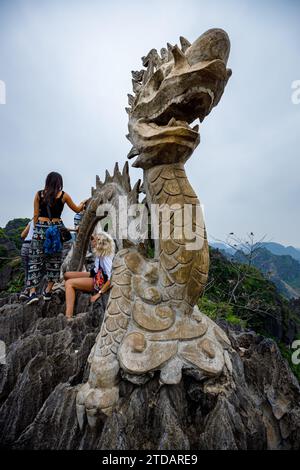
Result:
pixel 151 321
pixel 107 193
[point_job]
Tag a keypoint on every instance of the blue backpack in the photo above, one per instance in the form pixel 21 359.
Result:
pixel 53 243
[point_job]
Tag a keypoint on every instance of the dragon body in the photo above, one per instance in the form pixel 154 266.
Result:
pixel 152 322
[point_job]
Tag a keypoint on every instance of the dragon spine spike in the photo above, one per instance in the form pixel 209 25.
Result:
pixel 130 99
pixel 128 110
pixel 128 137
pixel 137 75
pixel 98 182
pixel 148 73
pixel 126 177
pixel 157 61
pixel 164 54
pixel 185 44
pixel 179 58
pixel 152 56
pixel 116 170
pixel 134 193
pixel 170 55
pixel 107 177
pixel 136 86
pixel 125 171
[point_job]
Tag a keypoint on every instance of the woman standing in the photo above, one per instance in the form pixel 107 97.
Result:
pixel 48 207
pixel 97 281
pixel 26 236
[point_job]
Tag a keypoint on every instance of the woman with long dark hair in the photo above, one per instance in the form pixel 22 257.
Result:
pixel 48 207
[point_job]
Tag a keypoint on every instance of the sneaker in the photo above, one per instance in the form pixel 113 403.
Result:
pixel 32 298
pixel 47 295
pixel 59 286
pixel 24 295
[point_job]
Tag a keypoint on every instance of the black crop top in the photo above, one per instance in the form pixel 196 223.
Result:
pixel 56 208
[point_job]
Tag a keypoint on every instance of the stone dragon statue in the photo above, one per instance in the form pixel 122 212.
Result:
pixel 151 320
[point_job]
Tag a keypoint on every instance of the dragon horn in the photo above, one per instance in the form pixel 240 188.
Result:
pixel 185 44
pixel 179 57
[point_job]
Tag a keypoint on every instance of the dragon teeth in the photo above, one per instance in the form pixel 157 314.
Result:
pixel 172 122
pixel 196 128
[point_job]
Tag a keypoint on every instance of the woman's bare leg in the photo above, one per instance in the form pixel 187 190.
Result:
pixel 75 275
pixel 49 286
pixel 82 283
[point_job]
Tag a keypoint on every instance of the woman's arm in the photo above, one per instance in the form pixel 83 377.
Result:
pixel 105 287
pixel 36 208
pixel 25 231
pixel 102 291
pixel 70 203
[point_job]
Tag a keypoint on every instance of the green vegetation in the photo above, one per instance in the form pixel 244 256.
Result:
pixel 242 296
pixel 13 230
pixel 283 270
pixel 241 293
pixel 3 256
pixel 16 284
pixel 10 244
pixel 220 311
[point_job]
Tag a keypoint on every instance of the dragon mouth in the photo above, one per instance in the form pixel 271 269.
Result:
pixel 185 108
pixel 175 90
pixel 159 143
pixel 171 128
pixel 173 121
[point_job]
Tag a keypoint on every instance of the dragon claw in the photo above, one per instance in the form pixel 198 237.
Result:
pixel 92 403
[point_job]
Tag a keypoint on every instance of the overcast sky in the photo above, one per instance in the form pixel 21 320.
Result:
pixel 66 65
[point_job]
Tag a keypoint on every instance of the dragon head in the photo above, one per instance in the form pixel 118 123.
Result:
pixel 175 88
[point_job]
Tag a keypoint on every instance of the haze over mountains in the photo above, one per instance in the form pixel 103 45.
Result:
pixel 279 263
pixel 273 247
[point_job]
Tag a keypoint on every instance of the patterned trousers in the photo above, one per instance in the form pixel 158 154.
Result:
pixel 25 259
pixel 41 264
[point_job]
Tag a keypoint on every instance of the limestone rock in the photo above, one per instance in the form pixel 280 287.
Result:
pixel 257 407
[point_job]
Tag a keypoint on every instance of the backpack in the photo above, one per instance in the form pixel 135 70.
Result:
pixel 52 243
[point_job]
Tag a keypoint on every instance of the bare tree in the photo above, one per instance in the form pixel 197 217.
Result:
pixel 244 252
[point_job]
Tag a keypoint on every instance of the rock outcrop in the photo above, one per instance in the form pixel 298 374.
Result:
pixel 256 407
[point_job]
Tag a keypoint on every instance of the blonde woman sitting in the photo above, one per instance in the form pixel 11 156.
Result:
pixel 97 281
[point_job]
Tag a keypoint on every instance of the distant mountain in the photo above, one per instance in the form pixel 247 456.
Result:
pixel 283 270
pixel 275 248
pixel 222 247
pixel 278 249
pixel 13 230
pixel 256 298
